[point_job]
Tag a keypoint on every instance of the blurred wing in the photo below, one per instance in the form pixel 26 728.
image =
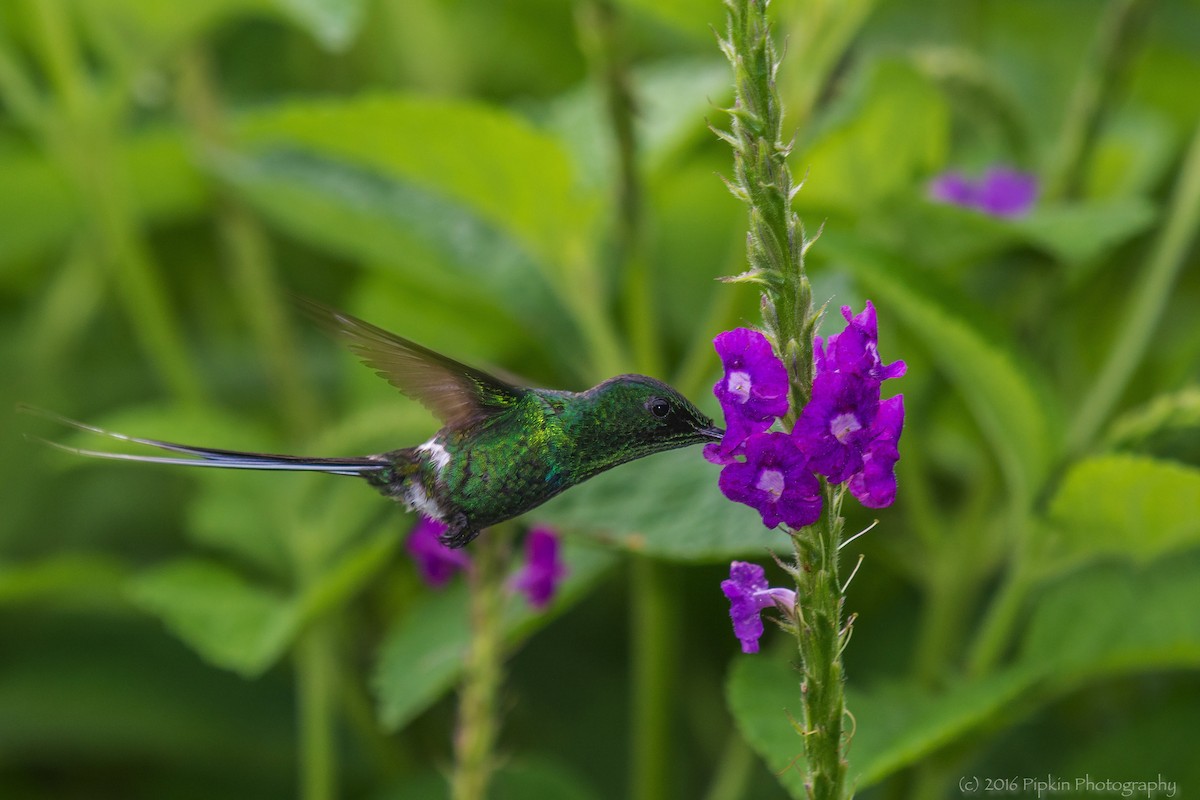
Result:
pixel 459 395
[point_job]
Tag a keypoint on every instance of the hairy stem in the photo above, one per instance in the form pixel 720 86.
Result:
pixel 483 670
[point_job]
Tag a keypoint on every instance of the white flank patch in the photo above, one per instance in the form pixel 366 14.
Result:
pixel 416 500
pixel 437 454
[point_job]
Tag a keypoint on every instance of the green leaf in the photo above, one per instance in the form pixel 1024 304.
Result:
pixel 227 620
pixel 1124 505
pixel 333 23
pixel 404 230
pixel 422 655
pixel 150 29
pixel 1080 234
pixel 667 506
pixel 1116 618
pixel 514 178
pixel 883 138
pixel 895 724
pixel 1168 427
pixel 1008 400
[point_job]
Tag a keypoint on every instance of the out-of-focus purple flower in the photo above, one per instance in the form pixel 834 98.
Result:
pixel 753 392
pixel 543 570
pixel 875 484
pixel 1000 192
pixel 435 562
pixel 775 479
pixel 748 595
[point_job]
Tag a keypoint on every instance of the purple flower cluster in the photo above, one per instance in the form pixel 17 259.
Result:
pixel 845 433
pixel 1001 192
pixel 538 578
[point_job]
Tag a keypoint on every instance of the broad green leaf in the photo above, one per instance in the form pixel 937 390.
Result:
pixel 667 506
pixel 514 178
pixel 885 137
pixel 1008 400
pixel 1125 505
pixel 333 23
pixel 150 30
pixel 1080 234
pixel 1115 618
pixel 895 725
pixel 422 655
pixel 227 620
pixel 401 228
pixel 1168 427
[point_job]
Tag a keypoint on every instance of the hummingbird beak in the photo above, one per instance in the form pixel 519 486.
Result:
pixel 714 433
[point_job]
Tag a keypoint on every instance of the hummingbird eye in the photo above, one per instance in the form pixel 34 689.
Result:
pixel 659 407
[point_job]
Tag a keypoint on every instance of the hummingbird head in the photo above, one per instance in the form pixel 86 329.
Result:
pixel 640 415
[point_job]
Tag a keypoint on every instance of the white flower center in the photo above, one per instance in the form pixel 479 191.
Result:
pixel 739 385
pixel 843 425
pixel 771 482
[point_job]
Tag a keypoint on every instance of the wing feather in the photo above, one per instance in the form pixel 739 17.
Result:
pixel 458 394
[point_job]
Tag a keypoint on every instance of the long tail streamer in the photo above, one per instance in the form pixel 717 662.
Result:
pixel 208 456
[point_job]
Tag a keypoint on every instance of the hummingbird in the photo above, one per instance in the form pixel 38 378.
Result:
pixel 503 449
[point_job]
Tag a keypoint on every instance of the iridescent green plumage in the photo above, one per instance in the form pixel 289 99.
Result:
pixel 503 450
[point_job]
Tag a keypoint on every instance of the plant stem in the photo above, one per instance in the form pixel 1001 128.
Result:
pixel 254 275
pixel 821 639
pixel 1111 51
pixel 1148 303
pixel 316 683
pixel 655 615
pixel 84 140
pixel 483 670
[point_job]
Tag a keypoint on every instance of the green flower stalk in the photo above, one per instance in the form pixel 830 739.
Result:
pixel 776 242
pixel 778 476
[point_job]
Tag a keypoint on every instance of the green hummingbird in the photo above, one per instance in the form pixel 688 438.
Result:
pixel 503 449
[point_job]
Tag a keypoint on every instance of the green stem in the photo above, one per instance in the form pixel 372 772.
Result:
pixel 655 616
pixel 1148 303
pixel 253 272
pixel 1000 620
pixel 1111 51
pixel 316 686
pixel 821 638
pixel 85 141
pixel 483 670
pixel 600 34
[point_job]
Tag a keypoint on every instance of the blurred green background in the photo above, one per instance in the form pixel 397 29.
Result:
pixel 454 170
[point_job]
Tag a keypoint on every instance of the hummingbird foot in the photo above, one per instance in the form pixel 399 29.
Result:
pixel 459 532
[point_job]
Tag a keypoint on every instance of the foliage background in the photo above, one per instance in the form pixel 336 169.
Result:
pixel 169 172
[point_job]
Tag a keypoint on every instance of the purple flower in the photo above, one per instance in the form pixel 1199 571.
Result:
pixel 855 350
pixel 753 392
pixel 748 595
pixel 835 426
pixel 1001 192
pixel 875 484
pixel 775 480
pixel 436 563
pixel 543 569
